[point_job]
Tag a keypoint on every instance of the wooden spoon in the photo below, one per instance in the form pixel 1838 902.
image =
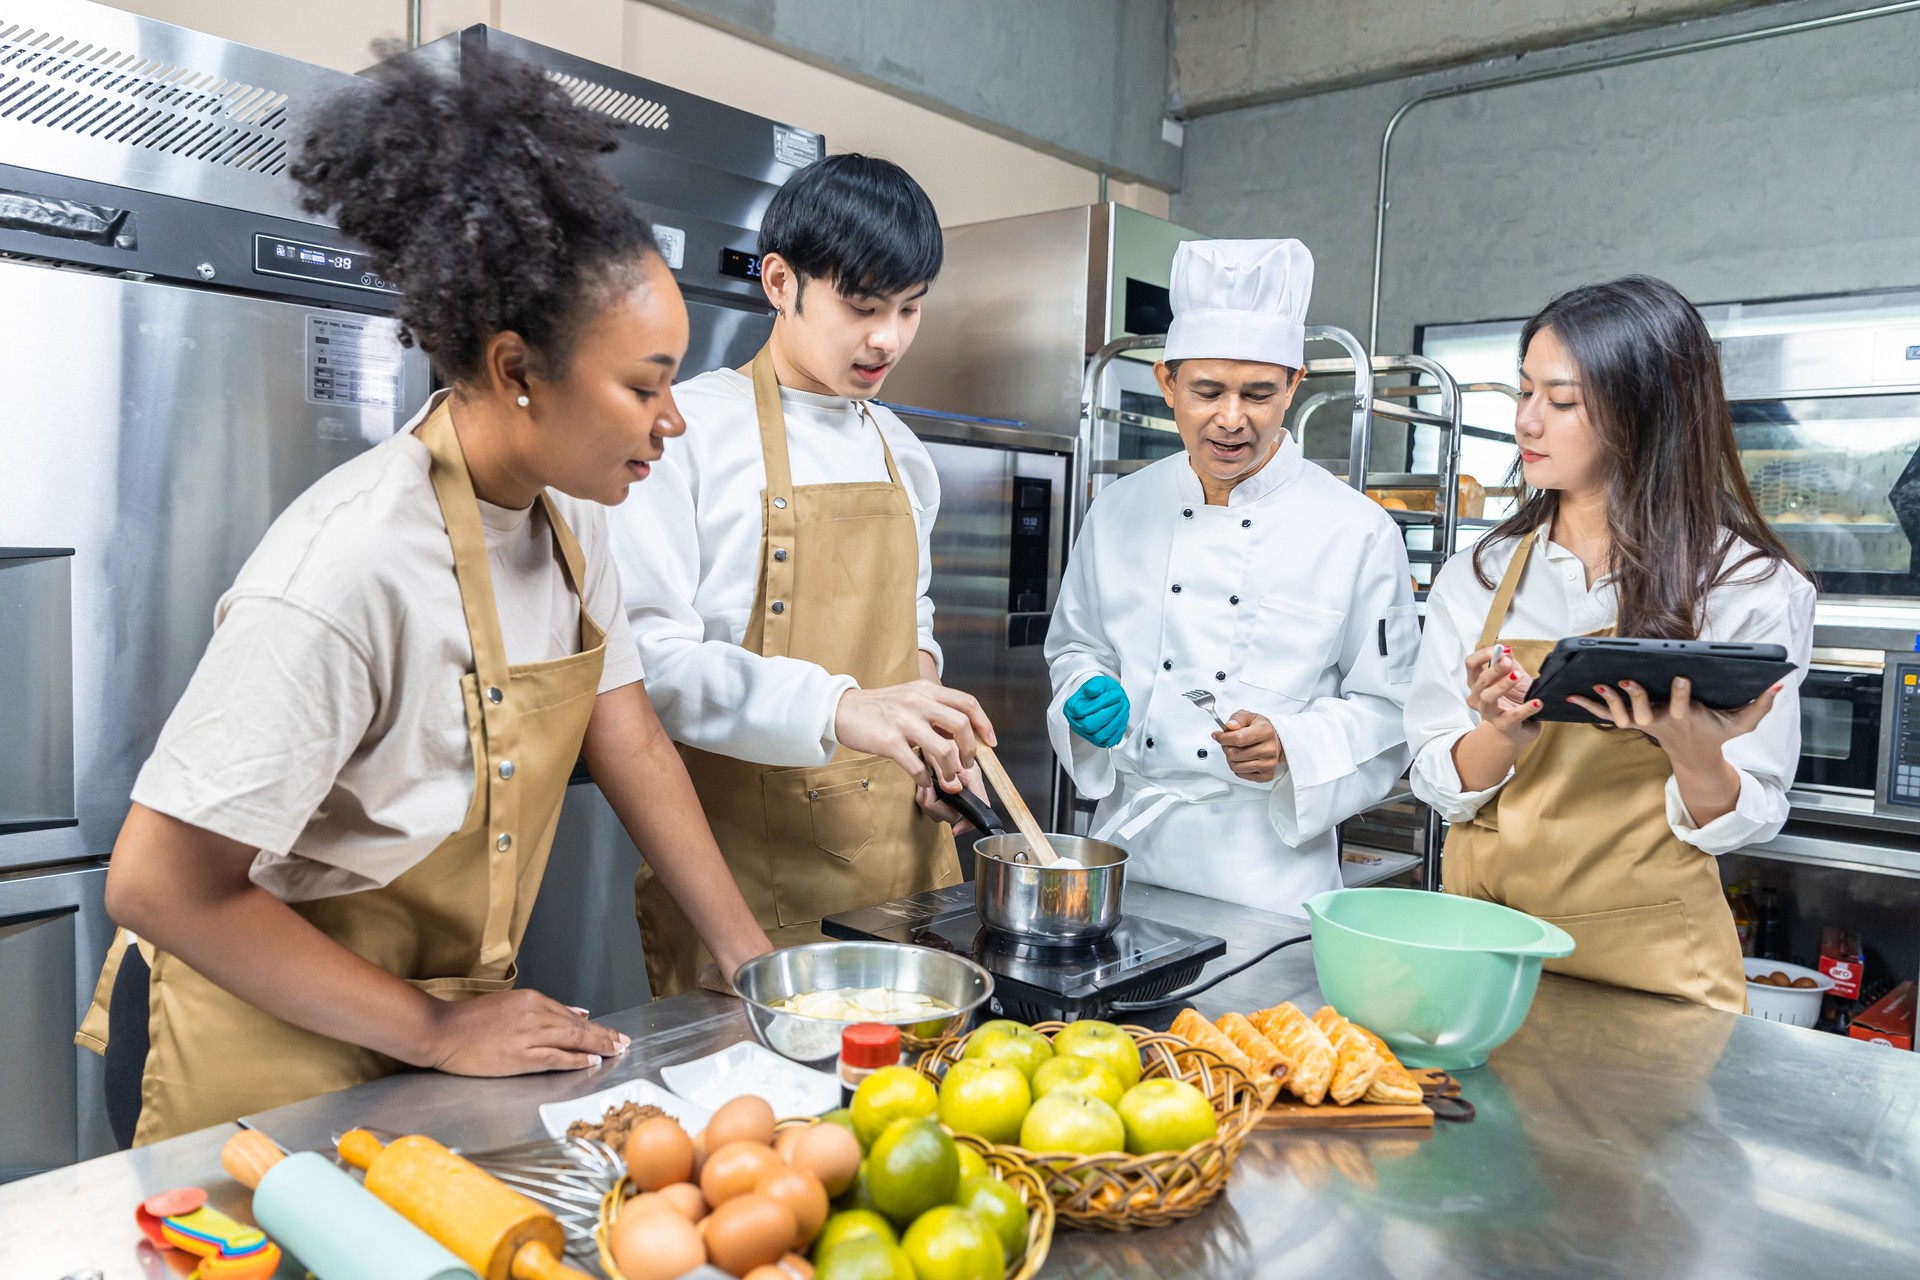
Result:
pixel 1023 819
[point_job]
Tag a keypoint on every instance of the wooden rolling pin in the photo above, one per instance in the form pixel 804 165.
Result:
pixel 333 1225
pixel 1023 819
pixel 488 1225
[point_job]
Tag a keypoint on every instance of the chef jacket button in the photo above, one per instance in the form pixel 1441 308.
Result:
pixel 781 503
pixel 780 554
pixel 1203 753
pixel 1188 513
pixel 1149 744
pixel 1176 588
pixel 506 768
pixel 1246 524
pixel 779 606
pixel 504 843
pixel 1167 665
pixel 494 695
pixel 1233 599
pixel 1219 675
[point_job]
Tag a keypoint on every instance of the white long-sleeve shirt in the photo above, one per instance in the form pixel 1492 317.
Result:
pixel 1553 602
pixel 1292 601
pixel 687 541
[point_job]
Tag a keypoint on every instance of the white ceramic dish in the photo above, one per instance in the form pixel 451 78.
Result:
pixel 747 1068
pixel 1796 1006
pixel 556 1116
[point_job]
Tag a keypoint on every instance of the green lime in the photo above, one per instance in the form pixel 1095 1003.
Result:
pixel 998 1205
pixel 858 1194
pixel 864 1258
pixel 853 1224
pixel 972 1163
pixel 949 1243
pixel 889 1094
pixel 841 1116
pixel 914 1167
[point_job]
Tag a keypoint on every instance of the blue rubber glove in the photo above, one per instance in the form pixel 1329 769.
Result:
pixel 1097 711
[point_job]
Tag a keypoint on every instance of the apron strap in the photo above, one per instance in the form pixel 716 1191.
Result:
pixel 574 561
pixel 453 486
pixel 1503 598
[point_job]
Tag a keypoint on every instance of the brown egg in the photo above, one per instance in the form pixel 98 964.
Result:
pixel 748 1231
pixel 831 1154
pixel 786 1140
pixel 803 1195
pixel 734 1170
pixel 742 1120
pixel 797 1267
pixel 685 1199
pixel 699 1154
pixel 660 1245
pixel 659 1153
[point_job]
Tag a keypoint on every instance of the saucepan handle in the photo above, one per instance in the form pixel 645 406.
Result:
pixel 977 811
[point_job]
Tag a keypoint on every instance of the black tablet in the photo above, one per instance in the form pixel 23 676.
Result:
pixel 1725 675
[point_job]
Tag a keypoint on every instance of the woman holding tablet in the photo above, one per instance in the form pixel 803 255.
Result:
pixel 1637 522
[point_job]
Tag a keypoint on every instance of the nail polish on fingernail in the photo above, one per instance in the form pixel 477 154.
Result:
pixel 577 1009
pixel 593 1059
pixel 1536 704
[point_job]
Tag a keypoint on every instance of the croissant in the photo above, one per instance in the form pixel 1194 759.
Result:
pixel 1392 1085
pixel 1303 1046
pixel 1192 1027
pixel 1356 1065
pixel 1265 1058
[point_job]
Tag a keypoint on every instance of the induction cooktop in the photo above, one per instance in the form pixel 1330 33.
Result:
pixel 1140 960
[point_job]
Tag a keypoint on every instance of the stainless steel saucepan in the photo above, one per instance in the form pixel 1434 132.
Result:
pixel 1059 906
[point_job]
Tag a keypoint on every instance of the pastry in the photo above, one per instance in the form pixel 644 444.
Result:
pixel 1197 1031
pixel 1302 1046
pixel 1356 1065
pixel 1394 1085
pixel 1266 1059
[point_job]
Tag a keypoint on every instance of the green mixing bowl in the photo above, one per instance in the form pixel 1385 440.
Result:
pixel 1442 979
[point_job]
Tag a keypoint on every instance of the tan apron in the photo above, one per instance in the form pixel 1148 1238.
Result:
pixel 1579 837
pixel 450 925
pixel 838 583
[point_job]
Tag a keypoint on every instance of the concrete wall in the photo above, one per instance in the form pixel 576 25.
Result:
pixel 1085 80
pixel 1784 167
pixel 973 174
pixel 1235 53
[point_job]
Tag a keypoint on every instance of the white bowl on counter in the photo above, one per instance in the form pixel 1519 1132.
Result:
pixel 1795 1006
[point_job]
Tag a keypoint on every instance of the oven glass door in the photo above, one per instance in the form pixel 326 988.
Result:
pixel 1839 730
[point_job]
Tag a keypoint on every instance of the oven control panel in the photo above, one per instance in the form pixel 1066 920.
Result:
pixel 1900 734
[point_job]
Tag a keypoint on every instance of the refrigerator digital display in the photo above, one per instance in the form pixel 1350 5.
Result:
pixel 349 268
pixel 741 266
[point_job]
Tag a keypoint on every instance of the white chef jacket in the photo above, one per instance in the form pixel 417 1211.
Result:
pixel 1553 602
pixel 687 541
pixel 1292 601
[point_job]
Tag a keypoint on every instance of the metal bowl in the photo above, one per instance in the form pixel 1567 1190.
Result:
pixel 1050 906
pixel 829 966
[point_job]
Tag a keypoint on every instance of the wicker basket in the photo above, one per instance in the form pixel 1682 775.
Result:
pixel 1121 1192
pixel 1005 1163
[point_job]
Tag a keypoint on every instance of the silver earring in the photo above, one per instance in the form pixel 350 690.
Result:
pixel 523 402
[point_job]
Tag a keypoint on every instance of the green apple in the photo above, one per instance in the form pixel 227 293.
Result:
pixel 1166 1115
pixel 1013 1043
pixel 1068 1120
pixel 1083 1074
pixel 1105 1044
pixel 986 1099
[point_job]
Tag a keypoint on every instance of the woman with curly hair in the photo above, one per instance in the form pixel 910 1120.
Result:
pixel 333 851
pixel 1637 522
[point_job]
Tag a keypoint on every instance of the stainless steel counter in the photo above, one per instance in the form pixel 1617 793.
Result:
pixel 1618 1135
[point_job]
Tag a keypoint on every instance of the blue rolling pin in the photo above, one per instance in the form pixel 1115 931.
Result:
pixel 336 1228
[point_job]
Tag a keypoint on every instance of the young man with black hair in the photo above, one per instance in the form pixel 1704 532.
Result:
pixel 776 571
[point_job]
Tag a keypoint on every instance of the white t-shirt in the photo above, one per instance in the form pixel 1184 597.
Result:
pixel 325 725
pixel 688 542
pixel 1554 601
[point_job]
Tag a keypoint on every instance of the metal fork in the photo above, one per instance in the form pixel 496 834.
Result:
pixel 1204 700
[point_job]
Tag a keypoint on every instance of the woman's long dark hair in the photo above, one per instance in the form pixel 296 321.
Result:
pixel 1650 380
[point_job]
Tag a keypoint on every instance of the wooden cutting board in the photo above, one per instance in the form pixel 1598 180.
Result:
pixel 1288 1112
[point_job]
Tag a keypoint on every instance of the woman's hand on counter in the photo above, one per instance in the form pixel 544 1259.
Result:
pixel 510 1033
pixel 941 724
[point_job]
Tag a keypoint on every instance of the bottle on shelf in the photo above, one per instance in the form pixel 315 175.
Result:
pixel 1770 938
pixel 1743 921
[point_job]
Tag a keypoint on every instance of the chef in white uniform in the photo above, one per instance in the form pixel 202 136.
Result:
pixel 1240 569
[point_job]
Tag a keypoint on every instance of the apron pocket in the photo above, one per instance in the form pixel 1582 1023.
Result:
pixel 1290 646
pixel 842 817
pixel 1647 948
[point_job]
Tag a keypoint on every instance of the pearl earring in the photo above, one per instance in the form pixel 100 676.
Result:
pixel 523 402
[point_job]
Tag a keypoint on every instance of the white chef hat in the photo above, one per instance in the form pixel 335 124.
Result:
pixel 1240 300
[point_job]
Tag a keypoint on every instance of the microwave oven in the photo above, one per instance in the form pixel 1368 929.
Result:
pixel 1860 743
